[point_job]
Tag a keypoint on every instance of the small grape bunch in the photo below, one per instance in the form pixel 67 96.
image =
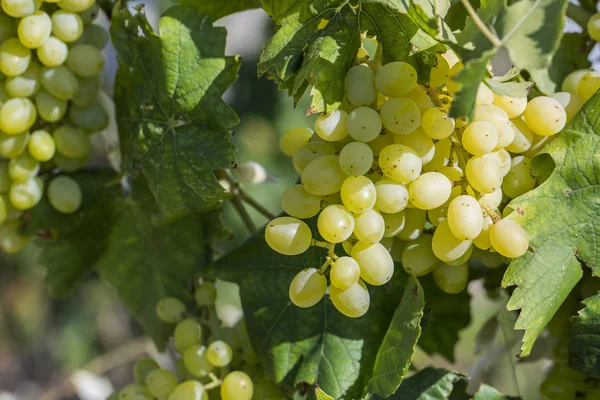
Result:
pixel 392 178
pixel 50 78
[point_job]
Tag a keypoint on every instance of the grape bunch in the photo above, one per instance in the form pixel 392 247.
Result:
pixel 50 77
pixel 212 353
pixel 391 177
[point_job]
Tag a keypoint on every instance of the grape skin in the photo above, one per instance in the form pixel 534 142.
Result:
pixel 307 288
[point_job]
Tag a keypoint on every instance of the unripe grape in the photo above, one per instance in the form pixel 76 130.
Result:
pixel 60 82
pixel 376 264
pixel 288 236
pixel 593 27
pixel 400 115
pixel 298 203
pixel 509 238
pixel 436 123
pixel 219 354
pixel 196 362
pixel 364 124
pixel 323 176
pixel 396 79
pixel 53 52
pixel 519 180
pixel 345 272
pixel 205 294
pixel 66 26
pixel 417 257
pixel 293 139
pixel 34 29
pixel 332 127
pixel 27 194
pixel 394 223
pixel 160 382
pixel 92 119
pixel 142 368
pixel 353 302
pixel 170 310
pixel 414 224
pixel 23 167
pixel 307 288
pixel 335 223
pixel 72 142
pixel 134 391
pixel 369 226
pixel 11 239
pixel 187 333
pixel 75 5
pixel 440 72
pixel 188 390
pixel 26 84
pixel 356 158
pixel 17 115
pixel 11 146
pixel 392 197
pixel 49 107
pixel 452 279
pixel 359 85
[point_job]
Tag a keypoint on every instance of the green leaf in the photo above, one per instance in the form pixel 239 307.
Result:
pixel 428 384
pixel 509 84
pixel 218 8
pixel 114 235
pixel 584 339
pixel 398 347
pixel 301 52
pixel 562 218
pixel 316 345
pixel 487 392
pixel 173 124
pixel 469 79
pixel 444 317
pixel 321 395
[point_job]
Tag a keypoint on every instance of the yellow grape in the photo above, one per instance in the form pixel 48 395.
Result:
pixel 323 176
pixel 400 115
pixel 335 223
pixel 396 79
pixel 465 218
pixel 430 190
pixel 509 238
pixel 545 116
pixel 392 197
pixel 369 226
pixel 446 246
pixel 288 236
pixel 344 273
pixel 307 288
pixel 358 194
pixel 376 264
pixel 332 127
pixel 293 139
pixel 353 302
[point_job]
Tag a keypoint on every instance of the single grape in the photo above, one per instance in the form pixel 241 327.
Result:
pixel 400 115
pixel 419 142
pixel 307 288
pixel 593 28
pixel 509 238
pixel 205 294
pixel 170 310
pixel 523 137
pixel 11 239
pixel 75 5
pixel 465 218
pixel 514 106
pixel 196 362
pixel 417 257
pixel 572 103
pixel 72 142
pixel 92 119
pixel 67 26
pixel 188 390
pixel 219 354
pixel 452 279
pixel 50 108
pixel 297 202
pixel 60 82
pixel 364 124
pixel 335 223
pixel 485 95
pixel 356 159
pixel 34 29
pixel 394 223
pixel 376 264
pixel 421 99
pixel 134 391
pixel 17 115
pixel 23 167
pixel 414 224
pixel 160 382
pixel 237 385
pixel 293 139
pixel 323 176
pixel 309 153
pixel 519 180
pixel 353 302
pixel 440 72
pixel 64 194
pixel 25 85
pixel 27 194
pixel 345 272
pixel 53 52
pixel 396 79
pixel 392 197
pixel 288 236
pixel 480 138
pixel 545 116
pixel 484 174
pixel 446 246
pixel 400 163
pixel 430 190
pixel 359 85
pixel 332 127
pixel 14 57
pixel 436 123
pixel 187 333
pixel 358 194
pixel 369 226
pixel 571 82
pixel 41 146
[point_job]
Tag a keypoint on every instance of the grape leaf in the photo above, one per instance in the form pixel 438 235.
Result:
pixel 113 233
pixel 398 347
pixel 173 123
pixel 317 345
pixel 486 392
pixel 427 384
pixel 321 395
pixel 561 217
pixel 305 49
pixel 584 339
pixel 218 8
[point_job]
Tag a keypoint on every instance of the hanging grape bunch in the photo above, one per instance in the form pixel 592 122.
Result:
pixel 392 177
pixel 50 76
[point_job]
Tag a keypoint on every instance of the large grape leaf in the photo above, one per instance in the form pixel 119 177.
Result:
pixel 113 234
pixel 562 218
pixel 317 345
pixel 306 50
pixel 218 8
pixel 584 339
pixel 173 124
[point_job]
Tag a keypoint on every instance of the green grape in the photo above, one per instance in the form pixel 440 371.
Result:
pixel 400 115
pixel 206 294
pixel 421 99
pixel 67 164
pixel 353 302
pixel 293 139
pixel 219 354
pixel 196 362
pixel 376 264
pixel 465 218
pixel 41 146
pixel 88 92
pixel 53 52
pixel 359 85
pixel 34 29
pixel 49 107
pixel 430 190
pixel 394 223
pixel 66 26
pixel 492 114
pixel 11 146
pixel 396 79
pixel 436 124
pixel 571 82
pixel 7 27
pixel 400 163
pixel 19 8
pixel 134 391
pixel 509 238
pixel 479 138
pixel 514 106
pixel 392 197
pixel 545 116
pixel 446 246
pixel 94 35
pixel 90 14
pixel 17 115
pixel 485 95
pixel 75 5
pixel 484 174
pixel 453 173
pixel 488 259
pixel 519 180
pixel 345 272
pixel 189 390
pixel 92 119
pixel 25 85
pixel 335 223
pixel 288 236
pixel 441 156
pixel 417 257
pixel 11 239
pixel 369 227
pixel 440 72
pixel 593 28
pixel 414 224
pixel 170 310
pixel 142 368
pixel 72 142
pixel 27 194
pixel 60 82
pixel 23 167
pixel 570 102
pixel 437 215
pixel 358 194
pixel 419 142
pixel 237 385
pixel 64 194
pixel 298 203
pixel 311 152
pixel 380 142
pixel 523 137
pixel 364 124
pixel 323 176
pixel 332 127
pixel 356 159
pixel 160 382
pixel 451 279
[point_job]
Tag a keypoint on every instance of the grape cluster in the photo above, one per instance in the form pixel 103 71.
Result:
pixel 50 66
pixel 393 178
pixel 202 368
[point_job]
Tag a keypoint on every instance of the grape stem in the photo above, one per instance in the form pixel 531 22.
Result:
pixel 433 95
pixel 214 382
pixel 325 266
pixel 579 15
pixel 495 217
